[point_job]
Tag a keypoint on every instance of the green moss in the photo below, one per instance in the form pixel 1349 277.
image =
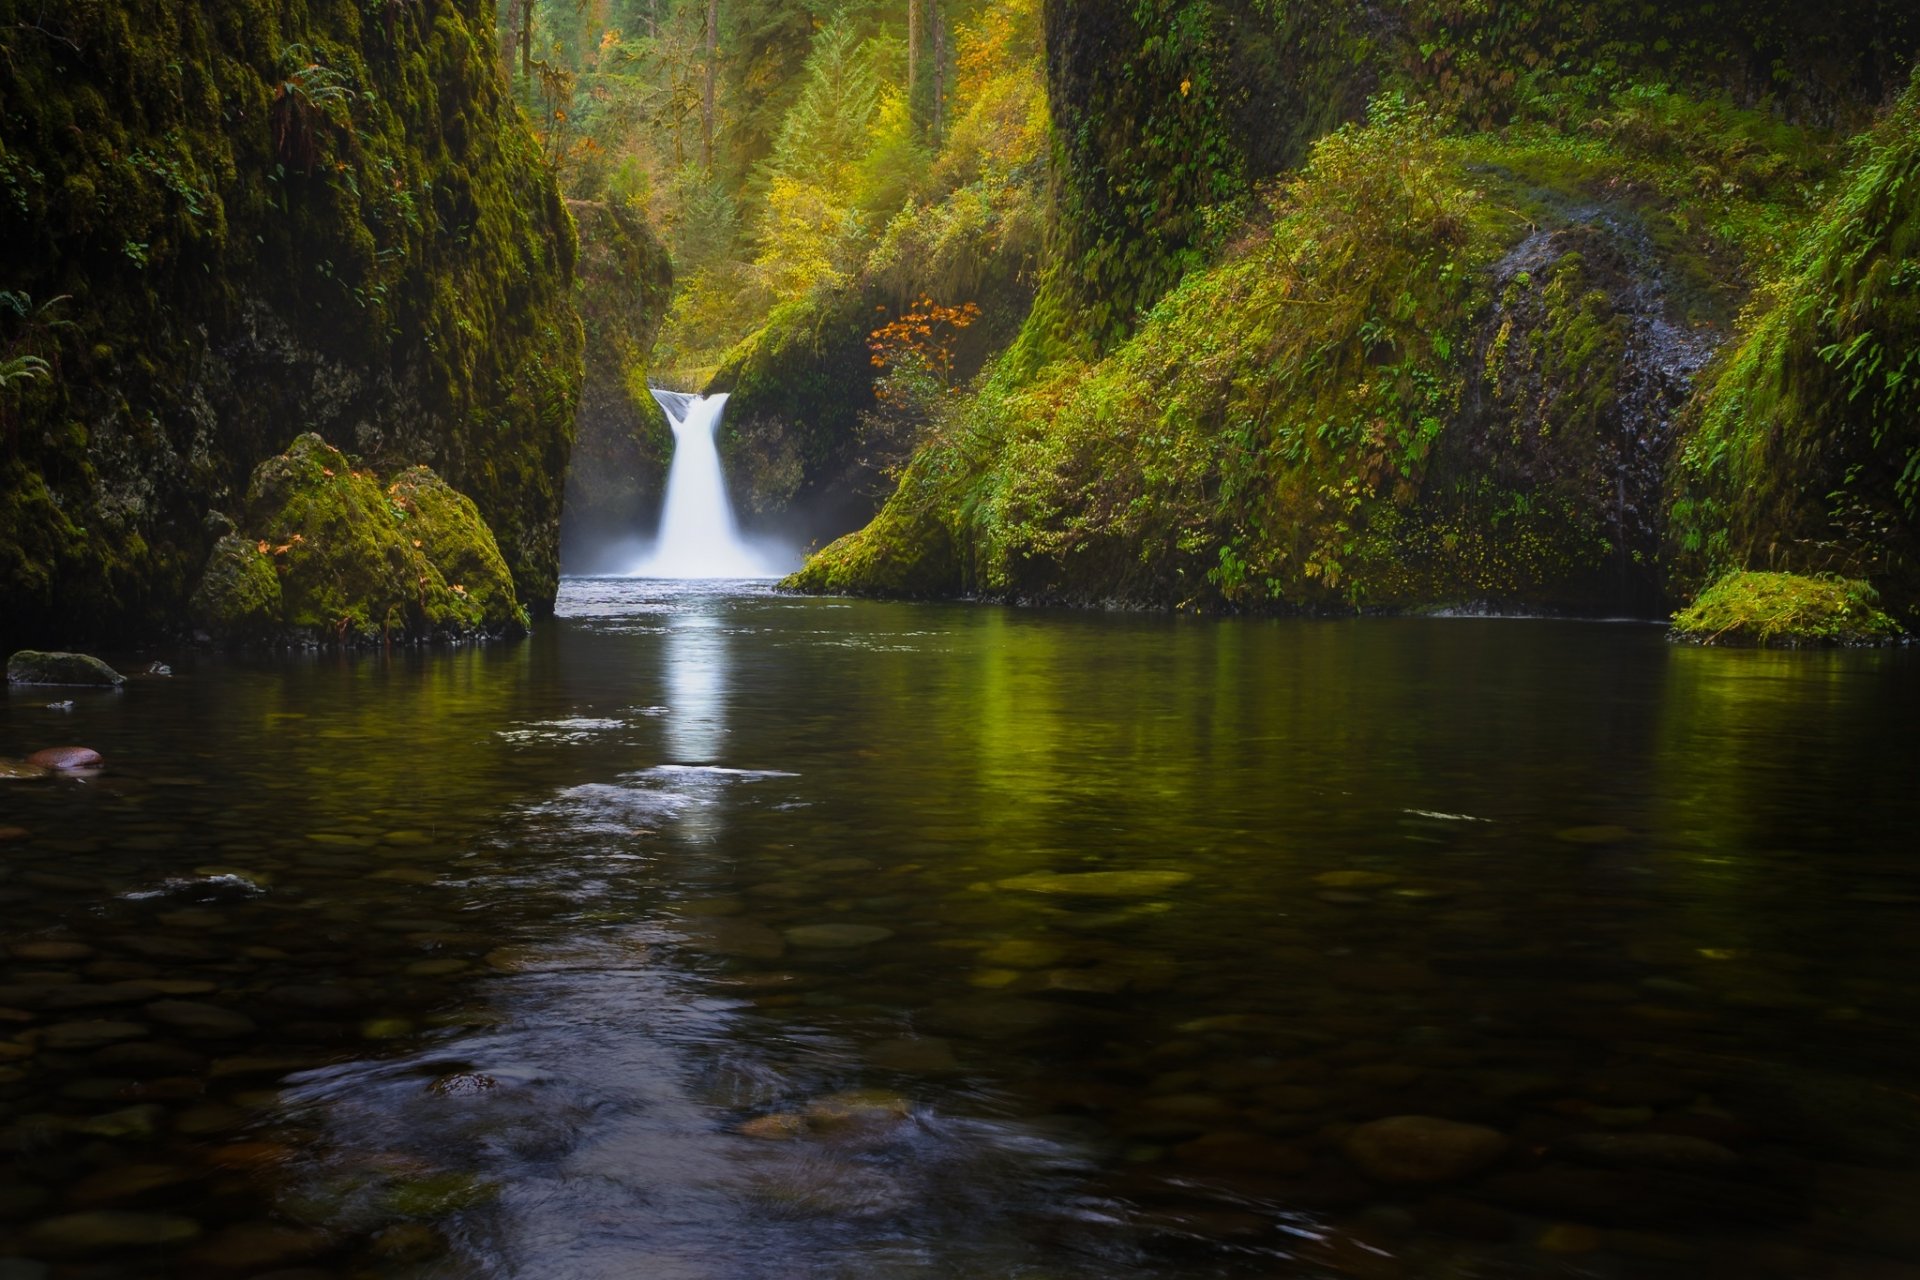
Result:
pixel 267 217
pixel 1804 450
pixel 1785 610
pixel 328 554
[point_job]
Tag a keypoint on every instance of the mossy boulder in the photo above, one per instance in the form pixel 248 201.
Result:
pixel 328 554
pixel 1785 610
pixel 31 666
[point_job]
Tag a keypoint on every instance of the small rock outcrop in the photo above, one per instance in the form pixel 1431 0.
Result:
pixel 327 554
pixel 1786 611
pixel 31 666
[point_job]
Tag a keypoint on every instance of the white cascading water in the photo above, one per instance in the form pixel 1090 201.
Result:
pixel 698 538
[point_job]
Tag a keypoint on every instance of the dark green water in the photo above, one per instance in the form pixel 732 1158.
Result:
pixel 505 962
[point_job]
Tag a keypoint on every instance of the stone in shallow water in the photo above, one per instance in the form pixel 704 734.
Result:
pixel 105 1230
pixel 30 666
pixel 1024 953
pixel 1593 835
pixel 775 1128
pixel 58 758
pixel 201 1021
pixel 130 1122
pixel 251 1246
pixel 1354 879
pixel 990 1019
pixel 129 1182
pixel 20 769
pixel 745 939
pixel 50 949
pixel 1650 1150
pixel 1098 884
pixel 1423 1149
pixel 837 936
pixel 89 1035
pixel 917 1055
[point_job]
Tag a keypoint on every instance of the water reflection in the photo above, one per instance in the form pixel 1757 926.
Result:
pixel 751 936
pixel 695 673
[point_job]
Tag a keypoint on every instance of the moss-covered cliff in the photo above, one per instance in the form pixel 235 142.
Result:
pixel 226 222
pixel 1445 361
pixel 622 443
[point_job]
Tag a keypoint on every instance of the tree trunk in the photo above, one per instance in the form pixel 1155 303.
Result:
pixel 713 80
pixel 913 62
pixel 939 70
pixel 526 39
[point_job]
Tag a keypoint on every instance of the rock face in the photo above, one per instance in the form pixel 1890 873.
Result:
pixel 30 666
pixel 622 444
pixel 1423 1149
pixel 284 217
pixel 327 554
pixel 65 758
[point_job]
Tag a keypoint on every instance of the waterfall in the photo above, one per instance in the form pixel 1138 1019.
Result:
pixel 698 538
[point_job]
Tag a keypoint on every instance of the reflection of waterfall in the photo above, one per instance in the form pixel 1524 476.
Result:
pixel 698 538
pixel 695 656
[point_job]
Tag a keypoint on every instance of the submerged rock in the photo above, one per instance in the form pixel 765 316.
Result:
pixel 104 1230
pixel 31 666
pixel 1098 884
pixel 14 770
pixel 1423 1149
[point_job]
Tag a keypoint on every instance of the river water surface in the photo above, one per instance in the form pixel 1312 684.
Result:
pixel 715 933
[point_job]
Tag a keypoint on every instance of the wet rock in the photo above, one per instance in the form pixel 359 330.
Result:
pixel 408 1243
pixel 1235 1152
pixel 201 1021
pixel 1641 1197
pixel 731 936
pixel 89 1035
pixel 1098 884
pixel 784 1127
pixel 437 1195
pixel 10 834
pixel 1568 1237
pixel 139 1123
pixel 837 936
pixel 990 1019
pixel 251 1246
pixel 1354 879
pixel 1466 1219
pixel 1650 1150
pixel 1595 835
pixel 143 1059
pixel 118 1183
pixel 1024 953
pixel 58 758
pixel 915 1055
pixel 20 770
pixel 50 949
pixel 30 666
pixel 108 1230
pixel 1416 1149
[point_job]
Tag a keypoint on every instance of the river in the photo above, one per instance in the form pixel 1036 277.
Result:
pixel 717 933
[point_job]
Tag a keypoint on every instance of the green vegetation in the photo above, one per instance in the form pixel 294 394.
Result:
pixel 1804 451
pixel 1442 362
pixel 327 554
pixel 265 218
pixel 1786 610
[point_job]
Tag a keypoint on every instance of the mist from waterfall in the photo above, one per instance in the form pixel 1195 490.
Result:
pixel 698 536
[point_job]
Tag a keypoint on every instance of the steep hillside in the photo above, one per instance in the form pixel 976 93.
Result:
pixel 230 222
pixel 1444 362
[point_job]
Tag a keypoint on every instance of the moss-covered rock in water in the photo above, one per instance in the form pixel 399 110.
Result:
pixel 326 554
pixel 229 221
pixel 622 443
pixel 1785 610
pixel 30 666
